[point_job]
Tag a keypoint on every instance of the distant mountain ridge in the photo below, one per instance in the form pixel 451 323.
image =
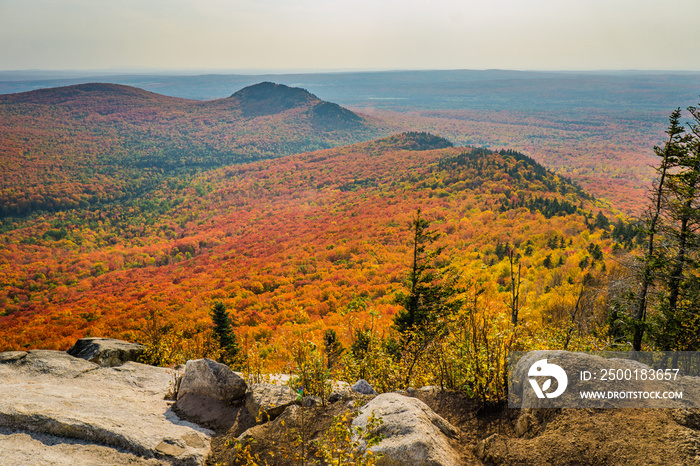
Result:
pixel 77 93
pixel 258 100
pixel 98 142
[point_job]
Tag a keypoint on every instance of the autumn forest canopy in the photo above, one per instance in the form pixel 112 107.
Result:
pixel 272 228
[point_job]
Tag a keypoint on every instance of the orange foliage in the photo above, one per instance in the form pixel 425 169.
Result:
pixel 288 243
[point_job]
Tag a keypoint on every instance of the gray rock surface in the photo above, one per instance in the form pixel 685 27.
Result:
pixel 209 378
pixel 208 392
pixel 268 401
pixel 46 362
pixel 117 411
pixel 413 433
pixel 207 412
pixel 10 356
pixel 106 352
pixel 31 448
pixel 363 387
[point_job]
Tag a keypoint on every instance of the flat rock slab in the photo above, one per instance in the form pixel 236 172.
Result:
pixel 31 448
pixel 45 362
pixel 119 408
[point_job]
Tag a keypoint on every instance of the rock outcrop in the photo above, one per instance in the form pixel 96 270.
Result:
pixel 118 412
pixel 31 448
pixel 106 352
pixel 363 387
pixel 209 394
pixel 209 378
pixel 413 433
pixel 267 401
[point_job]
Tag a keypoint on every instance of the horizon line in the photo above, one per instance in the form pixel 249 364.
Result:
pixel 283 71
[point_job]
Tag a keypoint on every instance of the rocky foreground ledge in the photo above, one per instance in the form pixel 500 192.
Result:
pixel 92 405
pixel 101 407
pixel 59 409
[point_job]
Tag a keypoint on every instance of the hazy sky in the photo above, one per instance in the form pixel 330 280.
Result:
pixel 350 34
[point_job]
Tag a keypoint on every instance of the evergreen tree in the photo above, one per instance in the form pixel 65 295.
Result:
pixel 431 299
pixel 679 315
pixel 668 155
pixel 223 332
pixel 670 265
pixel 334 349
pixel 547 262
pixel 601 221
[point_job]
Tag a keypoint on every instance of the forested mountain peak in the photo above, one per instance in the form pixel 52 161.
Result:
pixel 329 116
pixel 268 98
pixel 268 90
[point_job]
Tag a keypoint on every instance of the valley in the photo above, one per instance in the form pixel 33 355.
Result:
pixel 129 214
pixel 294 244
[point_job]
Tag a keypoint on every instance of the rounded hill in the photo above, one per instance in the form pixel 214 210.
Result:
pixel 413 140
pixel 268 98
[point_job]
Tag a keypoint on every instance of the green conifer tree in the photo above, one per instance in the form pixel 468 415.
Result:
pixel 432 296
pixel 223 332
pixel 650 262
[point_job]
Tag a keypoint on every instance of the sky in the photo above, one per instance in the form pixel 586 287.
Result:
pixel 324 35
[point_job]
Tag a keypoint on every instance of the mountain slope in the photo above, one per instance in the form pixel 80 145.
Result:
pixel 290 244
pixel 93 143
pixel 89 95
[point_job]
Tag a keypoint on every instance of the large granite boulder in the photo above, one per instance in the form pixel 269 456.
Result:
pixel 106 352
pixel 267 401
pixel 116 412
pixel 413 433
pixel 209 394
pixel 211 379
